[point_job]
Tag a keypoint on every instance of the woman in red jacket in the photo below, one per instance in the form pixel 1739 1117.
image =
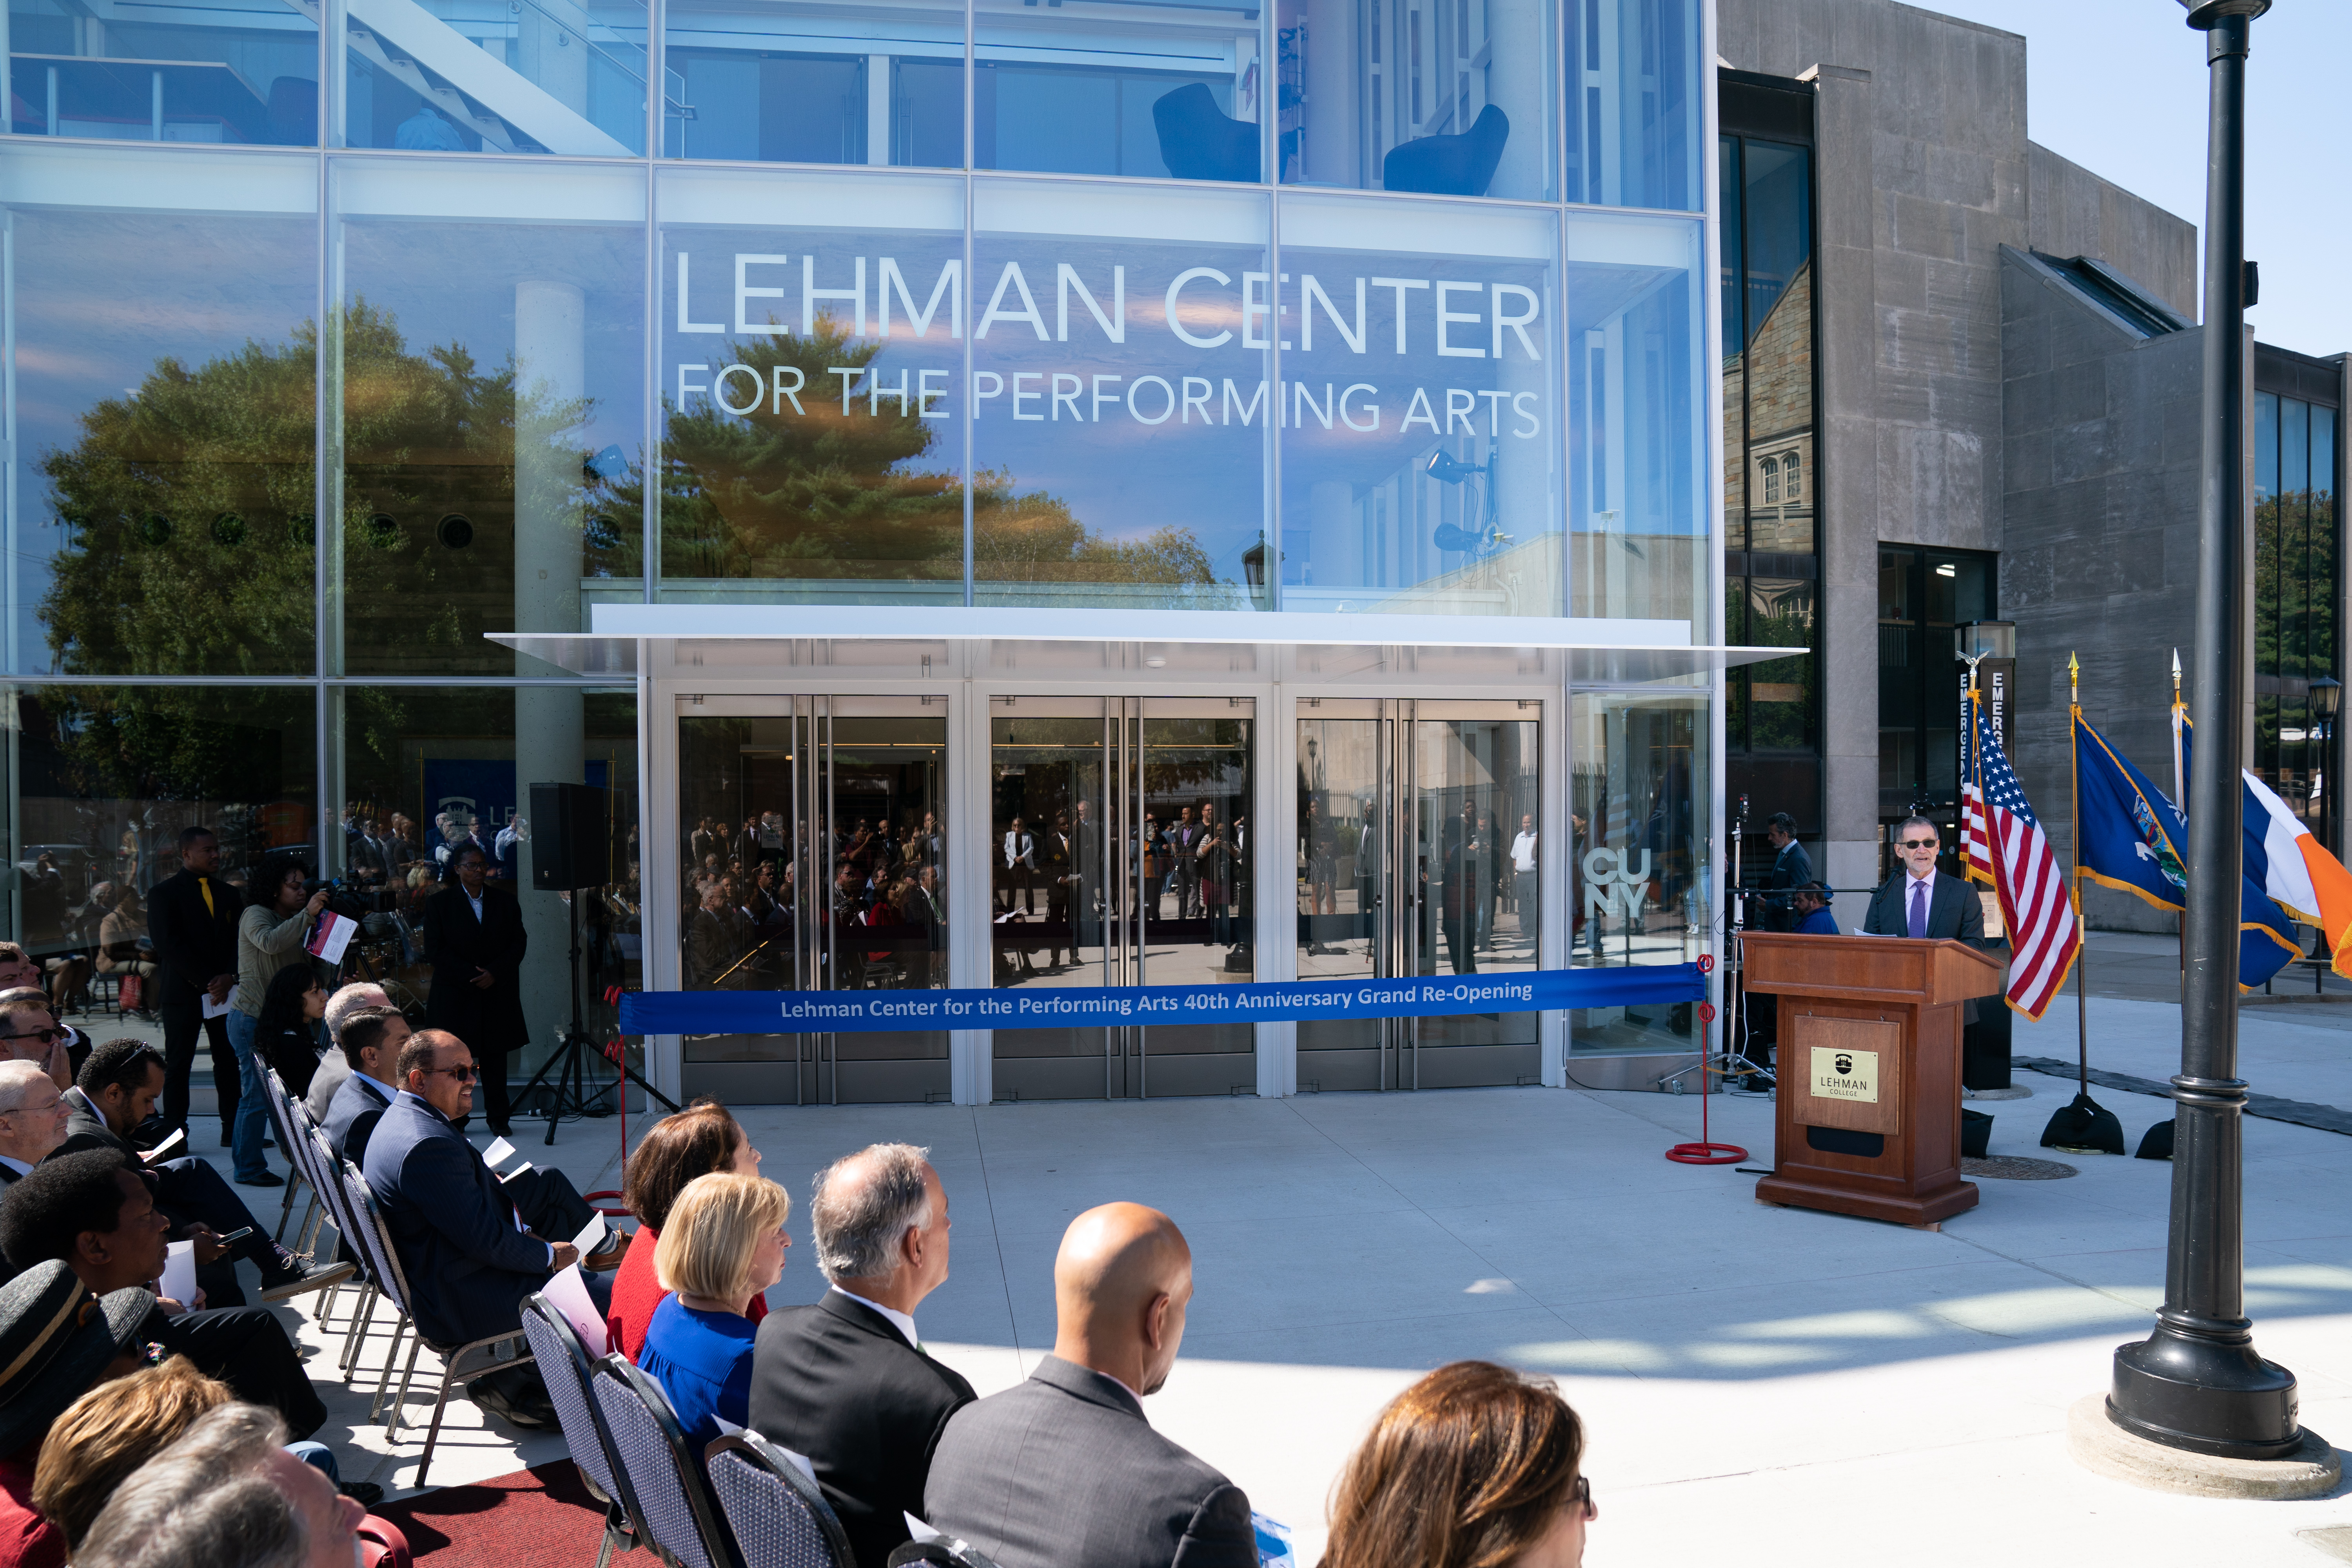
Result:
pixel 697 1140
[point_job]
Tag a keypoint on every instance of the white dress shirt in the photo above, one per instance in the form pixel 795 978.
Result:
pixel 899 1320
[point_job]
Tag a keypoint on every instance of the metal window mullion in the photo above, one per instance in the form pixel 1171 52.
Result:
pixel 971 285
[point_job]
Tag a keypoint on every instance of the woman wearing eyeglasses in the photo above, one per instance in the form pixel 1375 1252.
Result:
pixel 1473 1465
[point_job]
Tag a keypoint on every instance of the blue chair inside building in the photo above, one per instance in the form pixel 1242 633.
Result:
pixel 1198 141
pixel 1460 165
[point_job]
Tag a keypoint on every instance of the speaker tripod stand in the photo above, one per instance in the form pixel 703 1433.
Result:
pixel 573 1091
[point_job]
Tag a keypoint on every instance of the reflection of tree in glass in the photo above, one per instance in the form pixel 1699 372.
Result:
pixel 820 493
pixel 191 502
pixel 188 508
pixel 237 759
pixel 429 498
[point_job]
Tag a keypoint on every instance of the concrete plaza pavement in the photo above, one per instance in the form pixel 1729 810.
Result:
pixel 1761 1385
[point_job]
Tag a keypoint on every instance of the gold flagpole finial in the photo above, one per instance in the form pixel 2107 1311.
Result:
pixel 2074 679
pixel 2176 677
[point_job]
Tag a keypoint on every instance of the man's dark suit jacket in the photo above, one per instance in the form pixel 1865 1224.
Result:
pixel 452 1224
pixel 1062 1471
pixel 359 1104
pixel 192 943
pixel 84 1130
pixel 837 1383
pixel 489 1020
pixel 1954 911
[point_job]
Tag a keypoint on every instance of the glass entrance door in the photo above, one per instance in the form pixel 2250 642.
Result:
pixel 1119 857
pixel 1418 827
pixel 813 859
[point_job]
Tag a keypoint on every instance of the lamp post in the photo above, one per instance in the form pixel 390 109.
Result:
pixel 2326 700
pixel 2196 1383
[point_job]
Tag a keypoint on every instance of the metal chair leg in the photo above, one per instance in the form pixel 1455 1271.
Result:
pixel 285 1208
pixel 408 1373
pixel 433 1433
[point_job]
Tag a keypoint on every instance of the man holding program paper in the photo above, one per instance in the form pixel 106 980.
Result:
pixel 117 1087
pixel 474 1250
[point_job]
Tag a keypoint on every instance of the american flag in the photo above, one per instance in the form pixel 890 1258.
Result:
pixel 1975 840
pixel 2025 875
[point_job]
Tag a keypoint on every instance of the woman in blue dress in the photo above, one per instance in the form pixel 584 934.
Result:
pixel 723 1246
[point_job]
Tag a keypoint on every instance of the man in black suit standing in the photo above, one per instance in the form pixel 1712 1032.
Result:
pixel 1791 869
pixel 192 919
pixel 1918 900
pixel 845 1381
pixel 1064 1469
pixel 475 939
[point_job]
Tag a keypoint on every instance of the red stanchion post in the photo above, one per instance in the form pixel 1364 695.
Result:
pixel 1705 1152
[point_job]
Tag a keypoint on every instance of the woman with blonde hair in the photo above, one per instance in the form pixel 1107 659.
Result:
pixel 720 1248
pixel 1474 1467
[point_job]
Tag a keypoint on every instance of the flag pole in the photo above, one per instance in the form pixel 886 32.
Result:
pixel 2074 884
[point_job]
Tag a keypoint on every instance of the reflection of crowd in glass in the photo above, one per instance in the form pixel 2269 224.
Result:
pixel 1194 868
pixel 884 911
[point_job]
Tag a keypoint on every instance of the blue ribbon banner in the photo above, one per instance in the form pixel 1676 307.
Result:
pixel 870 1012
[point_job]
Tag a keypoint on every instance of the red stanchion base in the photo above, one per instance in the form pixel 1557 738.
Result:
pixel 1706 1153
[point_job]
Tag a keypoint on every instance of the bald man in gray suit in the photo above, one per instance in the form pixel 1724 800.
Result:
pixel 1064 1469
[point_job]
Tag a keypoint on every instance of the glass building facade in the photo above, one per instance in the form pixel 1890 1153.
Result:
pixel 2297 590
pixel 340 343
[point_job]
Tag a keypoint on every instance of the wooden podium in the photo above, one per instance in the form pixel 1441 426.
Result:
pixel 1869 1072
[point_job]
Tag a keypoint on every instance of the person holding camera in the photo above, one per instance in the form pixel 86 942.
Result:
pixel 279 907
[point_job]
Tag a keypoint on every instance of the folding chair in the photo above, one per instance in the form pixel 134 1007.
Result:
pixel 674 1499
pixel 777 1513
pixel 564 1364
pixel 275 1098
pixel 368 1221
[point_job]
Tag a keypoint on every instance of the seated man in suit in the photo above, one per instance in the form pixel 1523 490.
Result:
pixel 461 1233
pixel 1064 1469
pixel 91 1211
pixel 116 1090
pixel 845 1381
pixel 332 1066
pixel 32 1119
pixel 1918 900
pixel 372 1039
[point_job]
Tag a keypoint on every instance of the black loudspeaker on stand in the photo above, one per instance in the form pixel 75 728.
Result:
pixel 574 828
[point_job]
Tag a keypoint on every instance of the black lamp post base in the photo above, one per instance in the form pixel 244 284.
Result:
pixel 2208 1392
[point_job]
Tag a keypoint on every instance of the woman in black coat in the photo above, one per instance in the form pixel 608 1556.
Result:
pixel 286 1035
pixel 475 940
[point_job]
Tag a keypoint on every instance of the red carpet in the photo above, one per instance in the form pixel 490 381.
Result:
pixel 539 1517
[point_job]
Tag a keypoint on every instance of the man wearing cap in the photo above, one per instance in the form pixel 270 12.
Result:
pixel 32 1119
pixel 58 1342
pixel 91 1211
pixel 116 1090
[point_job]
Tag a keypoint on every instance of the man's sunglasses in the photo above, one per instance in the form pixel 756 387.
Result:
pixel 43 1035
pixel 1919 843
pixel 466 1074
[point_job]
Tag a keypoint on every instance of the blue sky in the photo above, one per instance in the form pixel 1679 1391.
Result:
pixel 2120 86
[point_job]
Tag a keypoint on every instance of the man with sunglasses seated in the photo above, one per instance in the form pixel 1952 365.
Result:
pixel 474 1248
pixel 116 1091
pixel 29 1032
pixel 1918 900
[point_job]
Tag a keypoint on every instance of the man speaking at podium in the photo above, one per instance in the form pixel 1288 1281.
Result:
pixel 1921 901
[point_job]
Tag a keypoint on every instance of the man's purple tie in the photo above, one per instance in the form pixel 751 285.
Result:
pixel 1919 908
